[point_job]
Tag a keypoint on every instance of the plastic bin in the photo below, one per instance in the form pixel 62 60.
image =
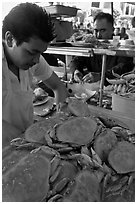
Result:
pixel 123 105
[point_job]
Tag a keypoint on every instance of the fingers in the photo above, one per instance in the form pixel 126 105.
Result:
pixel 88 78
pixel 78 76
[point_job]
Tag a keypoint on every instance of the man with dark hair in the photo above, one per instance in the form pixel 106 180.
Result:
pixel 103 26
pixel 89 69
pixel 27 30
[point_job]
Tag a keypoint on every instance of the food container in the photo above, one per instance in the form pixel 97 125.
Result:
pixel 129 42
pixel 123 105
pixel 131 34
pixel 130 122
pixel 115 41
pixel 60 10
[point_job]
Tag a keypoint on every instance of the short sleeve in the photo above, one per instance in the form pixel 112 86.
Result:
pixel 42 70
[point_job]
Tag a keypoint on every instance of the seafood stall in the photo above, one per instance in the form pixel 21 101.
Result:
pixel 80 153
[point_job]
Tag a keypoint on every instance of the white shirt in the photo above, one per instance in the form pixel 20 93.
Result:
pixel 17 97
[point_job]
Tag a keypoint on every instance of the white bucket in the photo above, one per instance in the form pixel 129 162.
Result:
pixel 123 105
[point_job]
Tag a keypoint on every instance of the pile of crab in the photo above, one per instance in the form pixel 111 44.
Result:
pixel 72 156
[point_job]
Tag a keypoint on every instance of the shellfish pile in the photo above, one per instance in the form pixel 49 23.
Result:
pixel 72 156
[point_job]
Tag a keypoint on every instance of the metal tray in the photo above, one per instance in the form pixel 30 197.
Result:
pixel 82 44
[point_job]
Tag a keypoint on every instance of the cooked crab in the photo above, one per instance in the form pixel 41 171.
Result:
pixel 104 142
pixel 79 130
pixel 85 188
pixel 38 132
pixel 78 107
pixel 24 177
pixel 122 157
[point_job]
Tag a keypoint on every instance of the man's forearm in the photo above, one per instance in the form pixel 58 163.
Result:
pixel 60 94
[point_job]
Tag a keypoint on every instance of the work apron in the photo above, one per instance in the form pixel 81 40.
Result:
pixel 17 107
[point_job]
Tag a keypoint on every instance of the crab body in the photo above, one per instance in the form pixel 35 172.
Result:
pixel 78 131
pixel 122 157
pixel 23 175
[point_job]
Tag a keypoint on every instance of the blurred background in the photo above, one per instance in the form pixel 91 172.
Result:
pixel 123 12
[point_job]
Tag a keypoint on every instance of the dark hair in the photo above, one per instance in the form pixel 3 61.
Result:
pixel 102 15
pixel 27 20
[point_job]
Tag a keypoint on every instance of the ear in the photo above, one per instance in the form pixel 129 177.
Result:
pixel 9 38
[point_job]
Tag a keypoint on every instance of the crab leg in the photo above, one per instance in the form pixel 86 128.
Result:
pixel 128 77
pixel 60 186
pixel 54 164
pixel 55 198
pixel 131 178
pixel 116 81
pixel 96 157
pixel 55 175
pixel 85 150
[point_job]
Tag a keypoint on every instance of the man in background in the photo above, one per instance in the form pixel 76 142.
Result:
pixel 89 69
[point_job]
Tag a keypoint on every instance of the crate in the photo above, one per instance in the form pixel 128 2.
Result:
pixel 60 10
pixel 123 105
pixel 127 120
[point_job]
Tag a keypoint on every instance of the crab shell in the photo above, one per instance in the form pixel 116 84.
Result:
pixel 122 157
pixel 38 132
pixel 104 143
pixel 78 107
pixel 78 130
pixel 85 189
pixel 25 176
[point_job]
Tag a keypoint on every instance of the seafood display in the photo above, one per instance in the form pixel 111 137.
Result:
pixel 71 156
pixel 123 85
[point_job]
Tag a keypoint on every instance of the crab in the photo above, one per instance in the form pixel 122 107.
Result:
pixel 37 133
pixel 23 175
pixel 122 157
pixel 78 107
pixel 25 172
pixel 77 131
pixel 103 144
pixel 85 188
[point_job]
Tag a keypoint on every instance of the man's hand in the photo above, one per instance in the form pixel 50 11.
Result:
pixel 92 77
pixel 78 76
pixel 89 78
